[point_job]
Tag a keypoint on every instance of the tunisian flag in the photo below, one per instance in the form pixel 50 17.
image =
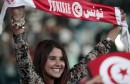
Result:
pixel 114 68
pixel 78 9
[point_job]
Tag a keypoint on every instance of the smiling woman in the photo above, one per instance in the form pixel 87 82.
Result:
pixel 50 61
pixel 50 64
pixel 55 63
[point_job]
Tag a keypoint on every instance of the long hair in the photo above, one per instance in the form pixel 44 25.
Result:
pixel 40 57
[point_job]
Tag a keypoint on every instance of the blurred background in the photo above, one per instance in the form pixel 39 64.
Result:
pixel 77 36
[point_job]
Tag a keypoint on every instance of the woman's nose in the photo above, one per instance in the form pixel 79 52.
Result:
pixel 58 62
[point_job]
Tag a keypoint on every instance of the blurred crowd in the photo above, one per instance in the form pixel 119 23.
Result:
pixel 77 36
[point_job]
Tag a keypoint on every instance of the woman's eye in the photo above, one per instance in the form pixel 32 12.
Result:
pixel 52 58
pixel 62 59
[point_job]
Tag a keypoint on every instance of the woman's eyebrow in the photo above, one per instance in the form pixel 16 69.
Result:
pixel 51 56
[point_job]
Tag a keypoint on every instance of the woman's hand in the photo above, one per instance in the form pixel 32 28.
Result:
pixel 114 32
pixel 95 80
pixel 18 22
pixel 116 28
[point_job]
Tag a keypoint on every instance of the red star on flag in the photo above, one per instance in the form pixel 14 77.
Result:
pixel 123 72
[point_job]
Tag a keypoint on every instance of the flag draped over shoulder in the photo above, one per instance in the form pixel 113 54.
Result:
pixel 78 9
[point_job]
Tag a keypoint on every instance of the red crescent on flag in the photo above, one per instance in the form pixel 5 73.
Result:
pixel 110 75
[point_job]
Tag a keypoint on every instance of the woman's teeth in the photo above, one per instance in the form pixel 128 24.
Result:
pixel 56 70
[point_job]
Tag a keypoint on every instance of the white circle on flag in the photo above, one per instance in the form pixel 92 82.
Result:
pixel 77 9
pixel 115 70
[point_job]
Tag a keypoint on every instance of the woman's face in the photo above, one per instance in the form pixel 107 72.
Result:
pixel 55 64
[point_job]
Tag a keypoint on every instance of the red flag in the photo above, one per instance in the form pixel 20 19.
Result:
pixel 114 68
pixel 80 9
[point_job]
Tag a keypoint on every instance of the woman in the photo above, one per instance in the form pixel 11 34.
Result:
pixel 50 64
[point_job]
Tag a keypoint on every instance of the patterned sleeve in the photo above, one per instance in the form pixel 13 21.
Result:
pixel 24 62
pixel 80 70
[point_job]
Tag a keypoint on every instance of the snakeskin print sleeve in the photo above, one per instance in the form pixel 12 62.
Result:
pixel 80 70
pixel 24 62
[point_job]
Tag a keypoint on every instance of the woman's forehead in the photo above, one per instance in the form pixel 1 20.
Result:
pixel 56 52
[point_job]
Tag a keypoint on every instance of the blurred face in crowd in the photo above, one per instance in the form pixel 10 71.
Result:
pixel 55 64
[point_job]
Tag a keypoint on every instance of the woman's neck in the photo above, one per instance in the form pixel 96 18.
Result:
pixel 49 80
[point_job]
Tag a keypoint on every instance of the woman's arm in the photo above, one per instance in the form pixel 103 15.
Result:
pixel 80 70
pixel 23 59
